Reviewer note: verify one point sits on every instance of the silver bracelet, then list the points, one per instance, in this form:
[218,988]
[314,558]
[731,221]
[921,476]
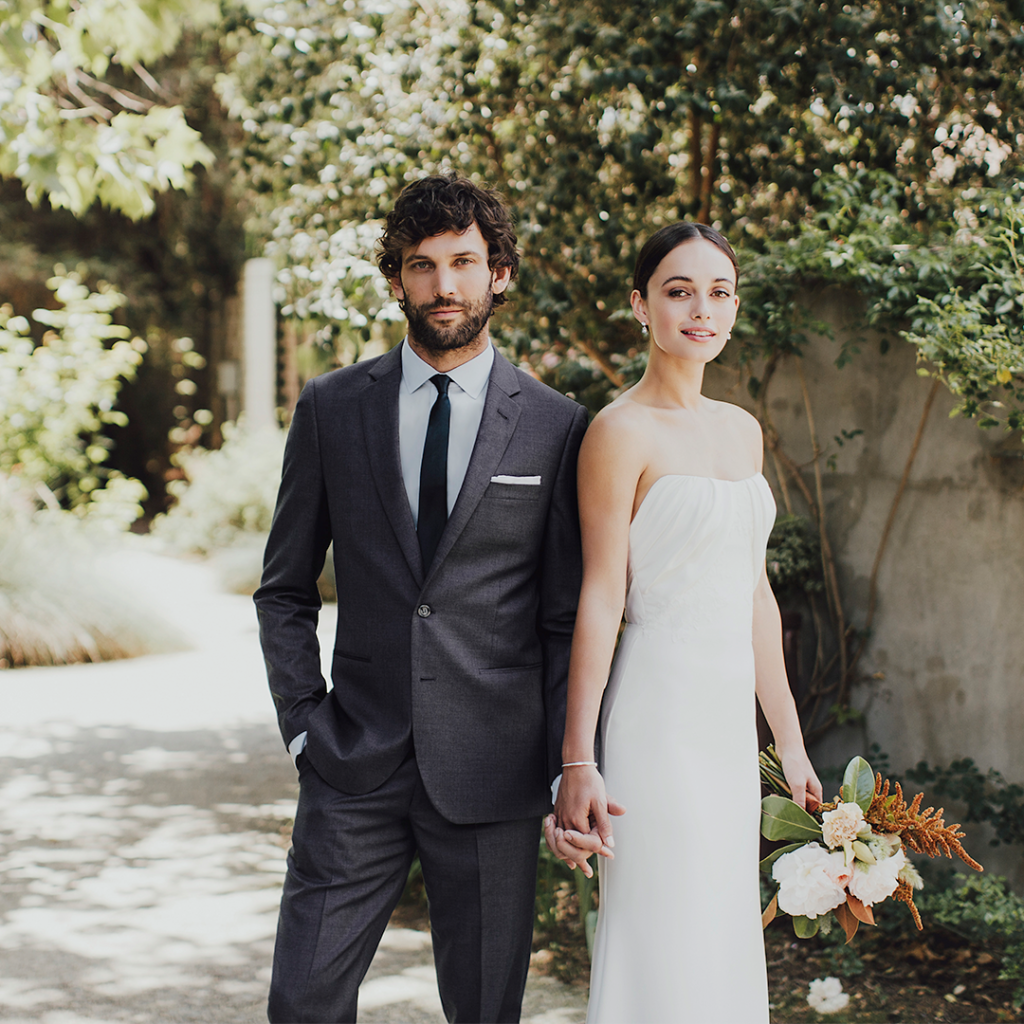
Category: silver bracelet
[577,764]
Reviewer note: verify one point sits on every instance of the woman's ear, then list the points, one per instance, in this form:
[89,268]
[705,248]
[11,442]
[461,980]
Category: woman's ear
[636,300]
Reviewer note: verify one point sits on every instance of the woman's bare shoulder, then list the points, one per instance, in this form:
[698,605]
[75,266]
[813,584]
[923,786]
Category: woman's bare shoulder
[619,436]
[621,422]
[737,416]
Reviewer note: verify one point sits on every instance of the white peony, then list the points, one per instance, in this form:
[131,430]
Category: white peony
[872,883]
[827,995]
[809,881]
[843,825]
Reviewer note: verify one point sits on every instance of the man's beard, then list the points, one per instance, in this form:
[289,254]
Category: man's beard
[442,337]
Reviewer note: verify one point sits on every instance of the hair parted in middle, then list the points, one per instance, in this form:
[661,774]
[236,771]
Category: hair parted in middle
[446,202]
[665,239]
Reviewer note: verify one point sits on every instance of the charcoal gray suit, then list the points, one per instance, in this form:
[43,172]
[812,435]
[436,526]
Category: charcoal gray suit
[443,727]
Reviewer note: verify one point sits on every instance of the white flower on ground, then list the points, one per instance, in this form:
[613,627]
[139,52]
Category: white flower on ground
[827,996]
[809,881]
[842,826]
[872,883]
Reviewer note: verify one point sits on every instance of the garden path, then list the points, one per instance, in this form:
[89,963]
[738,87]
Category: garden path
[142,806]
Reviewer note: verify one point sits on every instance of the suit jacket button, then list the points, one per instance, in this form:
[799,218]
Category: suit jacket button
[423,611]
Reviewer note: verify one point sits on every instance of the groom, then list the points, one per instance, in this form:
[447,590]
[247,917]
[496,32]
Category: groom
[445,478]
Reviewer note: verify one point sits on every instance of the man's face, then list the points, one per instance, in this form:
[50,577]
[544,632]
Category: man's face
[447,290]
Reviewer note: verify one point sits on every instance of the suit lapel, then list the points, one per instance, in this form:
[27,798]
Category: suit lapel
[379,406]
[497,426]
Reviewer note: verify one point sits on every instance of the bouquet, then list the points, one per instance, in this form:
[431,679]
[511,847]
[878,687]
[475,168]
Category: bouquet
[851,853]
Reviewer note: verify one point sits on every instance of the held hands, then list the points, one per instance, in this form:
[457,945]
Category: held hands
[581,825]
[803,782]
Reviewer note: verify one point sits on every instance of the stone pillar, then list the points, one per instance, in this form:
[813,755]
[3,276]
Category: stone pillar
[259,344]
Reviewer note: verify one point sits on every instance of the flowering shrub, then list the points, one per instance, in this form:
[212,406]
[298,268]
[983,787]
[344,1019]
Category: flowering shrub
[56,398]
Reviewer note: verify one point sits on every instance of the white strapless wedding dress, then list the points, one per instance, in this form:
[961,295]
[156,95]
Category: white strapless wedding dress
[679,926]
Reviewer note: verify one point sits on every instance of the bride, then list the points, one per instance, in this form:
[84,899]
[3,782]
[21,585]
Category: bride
[675,516]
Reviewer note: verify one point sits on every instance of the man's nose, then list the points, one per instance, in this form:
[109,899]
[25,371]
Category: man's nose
[444,283]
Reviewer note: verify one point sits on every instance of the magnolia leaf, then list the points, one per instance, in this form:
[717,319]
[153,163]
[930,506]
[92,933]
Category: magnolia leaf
[858,784]
[781,818]
[859,911]
[849,923]
[766,864]
[804,927]
[770,911]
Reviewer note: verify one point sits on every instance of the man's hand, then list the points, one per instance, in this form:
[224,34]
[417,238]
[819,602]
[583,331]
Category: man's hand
[581,825]
[574,848]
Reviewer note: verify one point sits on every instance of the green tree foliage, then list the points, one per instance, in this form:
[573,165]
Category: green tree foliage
[603,121]
[82,120]
[58,396]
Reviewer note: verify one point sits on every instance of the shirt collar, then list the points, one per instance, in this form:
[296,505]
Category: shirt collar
[471,376]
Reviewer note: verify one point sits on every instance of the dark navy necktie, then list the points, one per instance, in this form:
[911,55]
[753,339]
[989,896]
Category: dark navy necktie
[433,513]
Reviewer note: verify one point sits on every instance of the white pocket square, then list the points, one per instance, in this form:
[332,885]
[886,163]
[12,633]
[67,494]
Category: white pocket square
[530,481]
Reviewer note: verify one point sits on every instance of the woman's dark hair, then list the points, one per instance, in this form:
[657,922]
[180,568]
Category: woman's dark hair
[446,202]
[665,239]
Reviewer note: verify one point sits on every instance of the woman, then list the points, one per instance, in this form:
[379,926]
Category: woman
[676,516]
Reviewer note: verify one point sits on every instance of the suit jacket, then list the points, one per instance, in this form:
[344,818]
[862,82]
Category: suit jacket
[465,665]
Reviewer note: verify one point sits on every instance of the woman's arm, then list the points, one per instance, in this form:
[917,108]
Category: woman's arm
[776,698]
[610,465]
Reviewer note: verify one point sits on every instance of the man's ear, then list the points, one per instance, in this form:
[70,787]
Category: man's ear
[396,288]
[500,278]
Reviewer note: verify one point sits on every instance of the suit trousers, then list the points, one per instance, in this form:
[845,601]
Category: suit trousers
[347,868]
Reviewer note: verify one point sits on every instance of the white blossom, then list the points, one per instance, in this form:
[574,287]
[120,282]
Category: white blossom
[872,883]
[826,995]
[809,881]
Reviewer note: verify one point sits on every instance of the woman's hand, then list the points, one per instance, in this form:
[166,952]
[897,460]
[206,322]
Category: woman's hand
[802,780]
[581,825]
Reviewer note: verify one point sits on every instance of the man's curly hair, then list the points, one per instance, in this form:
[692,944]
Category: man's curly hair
[446,202]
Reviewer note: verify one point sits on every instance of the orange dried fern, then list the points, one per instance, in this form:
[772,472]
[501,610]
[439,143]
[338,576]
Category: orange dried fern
[923,831]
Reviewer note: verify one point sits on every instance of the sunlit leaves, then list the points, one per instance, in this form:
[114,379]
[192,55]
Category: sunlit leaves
[71,130]
[56,398]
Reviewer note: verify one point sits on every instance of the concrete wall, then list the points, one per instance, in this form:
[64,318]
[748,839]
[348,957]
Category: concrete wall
[948,639]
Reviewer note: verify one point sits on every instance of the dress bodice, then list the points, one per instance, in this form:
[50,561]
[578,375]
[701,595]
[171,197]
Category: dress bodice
[696,550]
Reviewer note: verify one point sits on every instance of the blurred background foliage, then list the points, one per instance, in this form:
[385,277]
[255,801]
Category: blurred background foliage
[868,146]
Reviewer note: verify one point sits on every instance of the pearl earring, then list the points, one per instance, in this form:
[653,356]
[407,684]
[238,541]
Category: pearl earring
[643,330]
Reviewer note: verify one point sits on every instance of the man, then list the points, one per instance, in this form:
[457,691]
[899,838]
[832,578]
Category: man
[446,480]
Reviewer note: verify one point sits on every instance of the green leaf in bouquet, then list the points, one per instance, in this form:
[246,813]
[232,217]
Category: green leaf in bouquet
[766,864]
[858,784]
[805,928]
[781,818]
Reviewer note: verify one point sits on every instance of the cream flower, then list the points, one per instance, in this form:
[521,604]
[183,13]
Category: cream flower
[808,884]
[872,883]
[842,826]
[909,875]
[827,996]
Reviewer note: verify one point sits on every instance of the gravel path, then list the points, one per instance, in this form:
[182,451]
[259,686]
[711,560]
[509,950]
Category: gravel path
[142,805]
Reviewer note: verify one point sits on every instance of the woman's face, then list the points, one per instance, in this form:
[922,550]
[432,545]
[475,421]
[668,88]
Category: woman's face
[691,301]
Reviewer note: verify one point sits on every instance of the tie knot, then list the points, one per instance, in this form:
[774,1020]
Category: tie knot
[441,382]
